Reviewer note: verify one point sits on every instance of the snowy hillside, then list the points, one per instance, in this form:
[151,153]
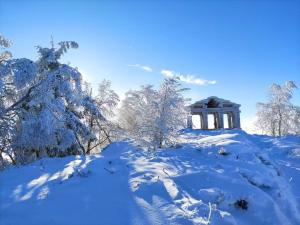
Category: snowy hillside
[212,177]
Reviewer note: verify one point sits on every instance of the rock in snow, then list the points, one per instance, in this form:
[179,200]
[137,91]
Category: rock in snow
[257,182]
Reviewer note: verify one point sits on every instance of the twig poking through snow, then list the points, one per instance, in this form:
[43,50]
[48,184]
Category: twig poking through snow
[166,172]
[110,171]
[209,215]
[42,167]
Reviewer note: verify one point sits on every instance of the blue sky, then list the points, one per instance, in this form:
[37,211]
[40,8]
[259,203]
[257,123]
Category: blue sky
[242,45]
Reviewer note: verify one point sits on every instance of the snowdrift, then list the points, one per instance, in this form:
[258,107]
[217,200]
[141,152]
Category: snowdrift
[211,177]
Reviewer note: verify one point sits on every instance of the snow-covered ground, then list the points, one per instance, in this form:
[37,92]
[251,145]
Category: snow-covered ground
[196,182]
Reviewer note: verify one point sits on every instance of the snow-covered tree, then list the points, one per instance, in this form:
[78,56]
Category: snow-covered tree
[107,99]
[279,116]
[50,119]
[137,114]
[294,120]
[16,79]
[172,113]
[4,43]
[106,130]
[153,117]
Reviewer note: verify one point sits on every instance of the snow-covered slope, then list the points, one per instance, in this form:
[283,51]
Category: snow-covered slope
[196,182]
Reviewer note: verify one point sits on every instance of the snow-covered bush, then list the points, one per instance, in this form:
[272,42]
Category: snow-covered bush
[153,117]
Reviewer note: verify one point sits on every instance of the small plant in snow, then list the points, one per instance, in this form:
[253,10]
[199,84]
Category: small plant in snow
[83,173]
[222,151]
[241,204]
[295,153]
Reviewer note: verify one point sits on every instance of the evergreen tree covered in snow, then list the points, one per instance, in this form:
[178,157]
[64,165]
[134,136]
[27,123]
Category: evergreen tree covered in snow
[50,120]
[153,117]
[16,79]
[279,116]
[46,110]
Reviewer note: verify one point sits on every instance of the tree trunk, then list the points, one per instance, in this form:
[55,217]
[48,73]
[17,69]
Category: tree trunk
[90,142]
[12,159]
[280,124]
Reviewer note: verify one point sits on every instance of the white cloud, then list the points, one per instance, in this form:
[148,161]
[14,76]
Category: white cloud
[190,79]
[187,78]
[167,73]
[145,68]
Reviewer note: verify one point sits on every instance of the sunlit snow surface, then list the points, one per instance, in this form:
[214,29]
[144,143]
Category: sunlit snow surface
[188,184]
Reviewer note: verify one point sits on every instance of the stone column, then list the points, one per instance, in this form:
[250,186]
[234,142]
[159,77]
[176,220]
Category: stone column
[221,121]
[216,122]
[189,121]
[204,121]
[236,120]
[229,117]
[201,121]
